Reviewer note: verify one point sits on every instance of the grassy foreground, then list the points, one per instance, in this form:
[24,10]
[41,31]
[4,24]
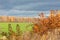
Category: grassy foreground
[23,26]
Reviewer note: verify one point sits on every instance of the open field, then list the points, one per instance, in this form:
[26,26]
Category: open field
[23,26]
[47,28]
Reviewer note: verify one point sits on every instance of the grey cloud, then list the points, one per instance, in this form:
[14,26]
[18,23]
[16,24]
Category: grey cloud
[21,13]
[28,4]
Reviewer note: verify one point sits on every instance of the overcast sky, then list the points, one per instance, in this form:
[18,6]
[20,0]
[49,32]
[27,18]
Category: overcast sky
[27,8]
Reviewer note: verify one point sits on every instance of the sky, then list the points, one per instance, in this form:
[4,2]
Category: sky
[27,8]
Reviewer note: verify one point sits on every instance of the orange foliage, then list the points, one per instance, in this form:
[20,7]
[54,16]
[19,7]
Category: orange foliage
[36,28]
[51,22]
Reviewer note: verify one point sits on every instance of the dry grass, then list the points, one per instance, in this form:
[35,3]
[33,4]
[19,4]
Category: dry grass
[46,29]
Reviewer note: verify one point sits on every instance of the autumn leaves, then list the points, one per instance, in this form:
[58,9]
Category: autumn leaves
[48,23]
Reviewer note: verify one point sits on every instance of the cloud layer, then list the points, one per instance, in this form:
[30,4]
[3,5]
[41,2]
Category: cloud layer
[20,13]
[27,7]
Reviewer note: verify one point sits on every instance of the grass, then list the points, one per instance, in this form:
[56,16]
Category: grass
[4,26]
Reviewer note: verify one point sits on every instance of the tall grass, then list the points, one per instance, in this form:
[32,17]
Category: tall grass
[47,28]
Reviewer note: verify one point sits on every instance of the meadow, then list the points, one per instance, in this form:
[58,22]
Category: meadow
[23,26]
[47,28]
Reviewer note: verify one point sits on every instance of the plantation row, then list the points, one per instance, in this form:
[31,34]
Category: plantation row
[17,19]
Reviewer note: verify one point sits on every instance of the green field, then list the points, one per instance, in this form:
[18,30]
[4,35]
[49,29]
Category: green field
[23,26]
